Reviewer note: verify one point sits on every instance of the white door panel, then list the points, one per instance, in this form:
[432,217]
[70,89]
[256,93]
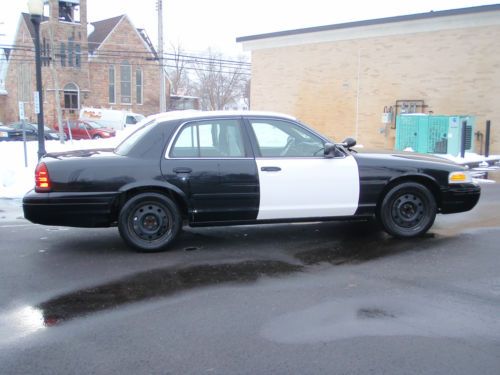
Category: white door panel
[308,187]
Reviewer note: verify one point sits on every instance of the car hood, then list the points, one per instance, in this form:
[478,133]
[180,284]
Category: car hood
[402,156]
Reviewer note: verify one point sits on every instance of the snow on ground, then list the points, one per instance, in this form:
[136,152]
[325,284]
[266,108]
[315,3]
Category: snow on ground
[16,179]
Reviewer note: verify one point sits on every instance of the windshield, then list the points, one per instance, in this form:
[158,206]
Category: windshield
[129,142]
[95,125]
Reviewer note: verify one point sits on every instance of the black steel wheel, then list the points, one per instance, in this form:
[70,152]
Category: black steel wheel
[149,222]
[408,210]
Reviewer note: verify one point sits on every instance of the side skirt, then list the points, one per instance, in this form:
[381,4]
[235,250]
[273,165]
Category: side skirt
[282,221]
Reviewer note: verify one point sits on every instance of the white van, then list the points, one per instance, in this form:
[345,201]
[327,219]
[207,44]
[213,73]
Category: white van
[110,118]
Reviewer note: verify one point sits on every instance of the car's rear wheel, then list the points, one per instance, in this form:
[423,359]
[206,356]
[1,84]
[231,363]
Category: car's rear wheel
[408,210]
[149,222]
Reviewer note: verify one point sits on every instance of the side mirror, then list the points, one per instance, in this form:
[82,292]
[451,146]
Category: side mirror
[349,142]
[329,150]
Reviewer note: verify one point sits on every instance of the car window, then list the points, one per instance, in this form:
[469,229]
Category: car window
[210,139]
[134,138]
[277,138]
[94,125]
[131,120]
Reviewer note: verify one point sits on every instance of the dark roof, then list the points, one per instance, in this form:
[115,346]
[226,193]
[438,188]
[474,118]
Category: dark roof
[378,21]
[101,31]
[103,28]
[29,25]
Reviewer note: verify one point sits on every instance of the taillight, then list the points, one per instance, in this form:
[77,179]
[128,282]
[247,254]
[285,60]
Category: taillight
[42,179]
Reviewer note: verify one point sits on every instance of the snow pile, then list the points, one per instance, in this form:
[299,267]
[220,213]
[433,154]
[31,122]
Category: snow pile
[470,157]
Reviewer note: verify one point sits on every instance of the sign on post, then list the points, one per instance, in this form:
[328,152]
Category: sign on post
[22,116]
[36,101]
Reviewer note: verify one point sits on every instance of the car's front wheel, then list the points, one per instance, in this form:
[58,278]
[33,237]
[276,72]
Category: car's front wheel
[96,136]
[407,210]
[149,222]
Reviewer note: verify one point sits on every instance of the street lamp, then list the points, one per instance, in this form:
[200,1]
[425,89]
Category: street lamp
[35,8]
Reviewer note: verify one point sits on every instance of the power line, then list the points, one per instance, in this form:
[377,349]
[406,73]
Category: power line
[136,53]
[108,62]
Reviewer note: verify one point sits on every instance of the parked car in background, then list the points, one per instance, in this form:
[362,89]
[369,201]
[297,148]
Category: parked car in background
[32,131]
[110,118]
[9,134]
[220,168]
[77,129]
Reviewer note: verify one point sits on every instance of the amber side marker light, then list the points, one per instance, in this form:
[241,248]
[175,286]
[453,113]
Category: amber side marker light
[459,177]
[42,179]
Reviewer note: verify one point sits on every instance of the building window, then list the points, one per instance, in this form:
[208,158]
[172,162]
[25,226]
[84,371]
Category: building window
[138,85]
[71,97]
[63,54]
[71,46]
[125,82]
[69,11]
[78,61]
[24,83]
[111,85]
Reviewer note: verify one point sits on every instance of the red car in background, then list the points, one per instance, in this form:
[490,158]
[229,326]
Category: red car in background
[78,129]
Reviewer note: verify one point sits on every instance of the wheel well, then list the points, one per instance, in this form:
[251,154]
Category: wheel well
[427,182]
[125,196]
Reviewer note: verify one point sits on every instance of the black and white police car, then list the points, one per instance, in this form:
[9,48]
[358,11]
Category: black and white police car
[220,168]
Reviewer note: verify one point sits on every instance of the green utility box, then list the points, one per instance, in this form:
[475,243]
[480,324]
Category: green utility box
[433,134]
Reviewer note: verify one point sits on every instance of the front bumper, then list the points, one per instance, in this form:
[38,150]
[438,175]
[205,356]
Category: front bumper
[89,210]
[459,198]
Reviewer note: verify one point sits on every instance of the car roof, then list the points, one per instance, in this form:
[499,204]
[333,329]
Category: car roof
[193,114]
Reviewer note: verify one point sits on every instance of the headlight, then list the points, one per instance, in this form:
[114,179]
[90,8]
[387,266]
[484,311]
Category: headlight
[461,177]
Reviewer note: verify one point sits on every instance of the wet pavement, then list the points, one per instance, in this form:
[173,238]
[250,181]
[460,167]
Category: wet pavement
[303,298]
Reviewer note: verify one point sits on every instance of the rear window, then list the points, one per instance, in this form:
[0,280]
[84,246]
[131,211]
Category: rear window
[134,138]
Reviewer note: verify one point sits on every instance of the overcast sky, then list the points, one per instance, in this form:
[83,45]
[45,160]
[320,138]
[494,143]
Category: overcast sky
[199,24]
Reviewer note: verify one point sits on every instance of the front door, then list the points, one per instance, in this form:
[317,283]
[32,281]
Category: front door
[296,180]
[211,161]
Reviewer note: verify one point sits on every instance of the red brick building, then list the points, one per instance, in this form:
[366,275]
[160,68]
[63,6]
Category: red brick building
[106,64]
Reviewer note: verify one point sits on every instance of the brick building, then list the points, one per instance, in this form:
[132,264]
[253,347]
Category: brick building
[106,64]
[340,78]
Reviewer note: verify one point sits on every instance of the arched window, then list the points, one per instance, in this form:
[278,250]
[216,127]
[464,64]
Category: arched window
[125,83]
[138,86]
[71,97]
[111,84]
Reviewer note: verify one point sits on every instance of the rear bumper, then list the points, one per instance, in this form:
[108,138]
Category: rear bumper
[70,209]
[459,198]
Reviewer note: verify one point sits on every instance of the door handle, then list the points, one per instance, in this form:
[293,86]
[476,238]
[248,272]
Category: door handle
[182,170]
[270,169]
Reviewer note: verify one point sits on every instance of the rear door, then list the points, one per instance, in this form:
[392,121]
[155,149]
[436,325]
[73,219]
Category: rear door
[212,162]
[296,179]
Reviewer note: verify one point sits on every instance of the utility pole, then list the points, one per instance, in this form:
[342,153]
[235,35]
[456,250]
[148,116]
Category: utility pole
[163,93]
[55,81]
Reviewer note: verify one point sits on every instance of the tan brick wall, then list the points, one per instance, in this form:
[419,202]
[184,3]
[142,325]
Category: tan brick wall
[3,104]
[453,71]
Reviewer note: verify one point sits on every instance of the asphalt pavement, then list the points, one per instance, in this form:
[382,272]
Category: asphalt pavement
[317,298]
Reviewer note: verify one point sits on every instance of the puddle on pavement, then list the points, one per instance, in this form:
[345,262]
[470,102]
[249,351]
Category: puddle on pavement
[352,244]
[157,283]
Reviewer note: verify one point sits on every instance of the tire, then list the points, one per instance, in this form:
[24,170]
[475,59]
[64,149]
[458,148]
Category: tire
[408,210]
[149,222]
[96,136]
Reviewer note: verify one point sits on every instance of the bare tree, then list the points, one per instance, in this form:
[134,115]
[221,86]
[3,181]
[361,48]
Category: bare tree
[219,81]
[178,66]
